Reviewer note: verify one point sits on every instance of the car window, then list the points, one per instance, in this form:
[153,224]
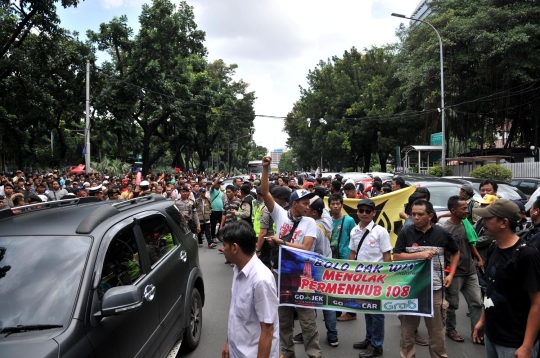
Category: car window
[528,187]
[439,196]
[122,262]
[513,182]
[174,213]
[39,278]
[158,236]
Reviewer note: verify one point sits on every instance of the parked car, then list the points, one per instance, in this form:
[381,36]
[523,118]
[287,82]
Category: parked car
[527,185]
[98,279]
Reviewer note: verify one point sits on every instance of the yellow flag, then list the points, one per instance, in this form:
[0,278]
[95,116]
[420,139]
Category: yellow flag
[388,207]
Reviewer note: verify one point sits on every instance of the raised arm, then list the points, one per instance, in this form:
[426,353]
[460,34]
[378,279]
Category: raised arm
[265,191]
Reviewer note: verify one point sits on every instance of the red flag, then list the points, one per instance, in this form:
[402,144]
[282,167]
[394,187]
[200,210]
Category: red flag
[177,170]
[250,175]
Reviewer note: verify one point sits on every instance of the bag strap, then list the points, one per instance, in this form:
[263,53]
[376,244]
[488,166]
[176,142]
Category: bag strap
[361,242]
[324,231]
[340,230]
[295,225]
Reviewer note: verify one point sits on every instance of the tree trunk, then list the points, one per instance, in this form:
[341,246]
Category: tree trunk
[383,157]
[120,145]
[367,160]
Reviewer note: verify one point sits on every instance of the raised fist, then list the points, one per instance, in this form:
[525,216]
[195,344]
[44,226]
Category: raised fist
[266,161]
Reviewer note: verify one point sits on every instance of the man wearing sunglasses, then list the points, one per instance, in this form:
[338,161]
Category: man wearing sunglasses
[370,243]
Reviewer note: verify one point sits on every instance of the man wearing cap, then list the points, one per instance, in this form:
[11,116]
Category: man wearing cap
[424,241]
[113,193]
[188,209]
[144,189]
[510,323]
[96,192]
[302,231]
[56,193]
[370,243]
[525,223]
[8,192]
[465,278]
[204,210]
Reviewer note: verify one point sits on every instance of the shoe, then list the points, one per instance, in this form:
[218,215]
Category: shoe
[455,336]
[211,246]
[371,352]
[361,345]
[421,341]
[346,317]
[298,339]
[215,240]
[333,342]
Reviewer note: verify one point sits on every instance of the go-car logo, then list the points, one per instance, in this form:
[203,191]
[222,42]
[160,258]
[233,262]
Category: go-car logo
[400,305]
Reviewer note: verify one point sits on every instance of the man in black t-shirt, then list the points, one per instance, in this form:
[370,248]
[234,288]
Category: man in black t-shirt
[511,319]
[424,241]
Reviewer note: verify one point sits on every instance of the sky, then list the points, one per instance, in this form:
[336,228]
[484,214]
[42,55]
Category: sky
[274,42]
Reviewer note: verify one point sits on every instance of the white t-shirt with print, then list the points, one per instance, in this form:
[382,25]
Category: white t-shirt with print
[306,227]
[375,244]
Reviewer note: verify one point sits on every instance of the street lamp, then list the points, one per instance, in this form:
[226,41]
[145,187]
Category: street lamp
[443,156]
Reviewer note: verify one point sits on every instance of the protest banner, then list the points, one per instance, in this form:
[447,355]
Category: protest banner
[387,206]
[308,279]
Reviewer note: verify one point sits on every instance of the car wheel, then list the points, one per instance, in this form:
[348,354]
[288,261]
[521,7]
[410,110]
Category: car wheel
[192,334]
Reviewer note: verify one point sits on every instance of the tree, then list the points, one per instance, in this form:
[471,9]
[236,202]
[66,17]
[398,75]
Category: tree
[287,162]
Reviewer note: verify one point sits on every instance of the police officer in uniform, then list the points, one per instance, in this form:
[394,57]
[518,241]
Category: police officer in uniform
[113,193]
[188,209]
[144,188]
[96,192]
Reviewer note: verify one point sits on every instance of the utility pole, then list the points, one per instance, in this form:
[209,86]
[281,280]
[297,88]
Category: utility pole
[87,125]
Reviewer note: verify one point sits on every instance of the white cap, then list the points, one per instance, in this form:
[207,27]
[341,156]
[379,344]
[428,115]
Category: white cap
[95,189]
[144,183]
[43,197]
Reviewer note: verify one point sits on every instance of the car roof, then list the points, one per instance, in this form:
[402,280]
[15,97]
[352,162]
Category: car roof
[66,217]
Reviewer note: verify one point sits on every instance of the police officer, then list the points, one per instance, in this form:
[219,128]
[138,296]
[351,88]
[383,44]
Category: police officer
[188,209]
[113,193]
[144,188]
[96,192]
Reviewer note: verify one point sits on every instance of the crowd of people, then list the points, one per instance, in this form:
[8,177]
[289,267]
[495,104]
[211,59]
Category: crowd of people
[486,250]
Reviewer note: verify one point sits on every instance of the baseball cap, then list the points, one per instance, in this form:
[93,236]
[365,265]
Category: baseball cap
[467,188]
[257,182]
[300,194]
[519,204]
[366,202]
[488,199]
[502,208]
[202,190]
[316,203]
[281,193]
[308,184]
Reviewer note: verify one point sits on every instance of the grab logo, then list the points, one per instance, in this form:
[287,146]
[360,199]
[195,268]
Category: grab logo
[400,305]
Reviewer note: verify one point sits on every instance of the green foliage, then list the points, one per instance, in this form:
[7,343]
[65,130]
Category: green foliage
[492,171]
[437,171]
[348,170]
[287,162]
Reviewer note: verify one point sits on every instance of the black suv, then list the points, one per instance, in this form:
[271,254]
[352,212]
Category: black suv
[98,279]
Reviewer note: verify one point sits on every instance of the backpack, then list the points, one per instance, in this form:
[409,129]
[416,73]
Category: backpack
[515,255]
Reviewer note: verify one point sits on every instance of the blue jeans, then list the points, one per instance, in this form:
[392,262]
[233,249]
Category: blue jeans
[496,351]
[375,329]
[330,323]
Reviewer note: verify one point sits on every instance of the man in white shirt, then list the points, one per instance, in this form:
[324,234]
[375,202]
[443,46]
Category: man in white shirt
[370,243]
[253,329]
[296,230]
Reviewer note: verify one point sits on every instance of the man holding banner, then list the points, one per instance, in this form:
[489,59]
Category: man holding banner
[370,243]
[293,229]
[423,241]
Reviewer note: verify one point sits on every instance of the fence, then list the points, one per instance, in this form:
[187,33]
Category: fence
[531,169]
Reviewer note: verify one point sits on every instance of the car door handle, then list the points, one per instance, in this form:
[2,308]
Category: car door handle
[149,292]
[183,255]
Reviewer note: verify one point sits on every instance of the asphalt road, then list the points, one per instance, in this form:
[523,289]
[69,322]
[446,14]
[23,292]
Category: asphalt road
[217,279]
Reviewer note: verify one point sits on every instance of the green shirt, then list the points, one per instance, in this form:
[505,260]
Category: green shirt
[216,199]
[345,231]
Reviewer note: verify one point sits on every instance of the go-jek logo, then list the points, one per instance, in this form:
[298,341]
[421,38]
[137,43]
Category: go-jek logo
[400,305]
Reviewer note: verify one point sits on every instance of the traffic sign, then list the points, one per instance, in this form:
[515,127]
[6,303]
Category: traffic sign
[205,164]
[436,139]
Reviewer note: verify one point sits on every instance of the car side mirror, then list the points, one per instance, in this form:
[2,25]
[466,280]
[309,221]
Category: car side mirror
[120,300]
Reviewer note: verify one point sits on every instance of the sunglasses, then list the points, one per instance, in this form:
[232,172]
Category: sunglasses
[367,211]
